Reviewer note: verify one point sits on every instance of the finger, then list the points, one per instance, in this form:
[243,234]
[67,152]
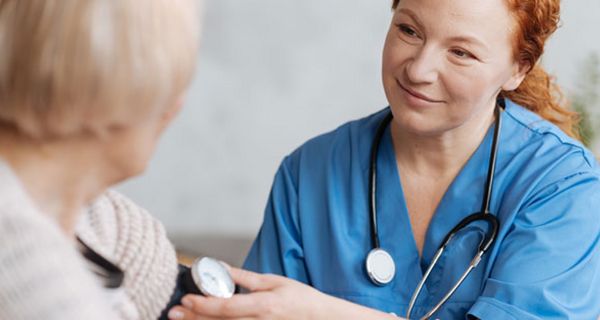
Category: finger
[181,313]
[238,306]
[254,281]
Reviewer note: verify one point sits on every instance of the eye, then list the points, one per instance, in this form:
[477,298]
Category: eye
[405,29]
[462,54]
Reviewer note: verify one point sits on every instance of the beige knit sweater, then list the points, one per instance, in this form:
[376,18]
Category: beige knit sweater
[128,236]
[43,276]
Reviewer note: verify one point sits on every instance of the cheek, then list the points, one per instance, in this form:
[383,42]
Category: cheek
[472,87]
[394,53]
[470,93]
[386,60]
[134,149]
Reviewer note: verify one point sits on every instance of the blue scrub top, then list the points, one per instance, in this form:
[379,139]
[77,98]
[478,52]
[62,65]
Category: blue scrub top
[545,263]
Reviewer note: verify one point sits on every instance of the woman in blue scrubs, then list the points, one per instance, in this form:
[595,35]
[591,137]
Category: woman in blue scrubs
[447,65]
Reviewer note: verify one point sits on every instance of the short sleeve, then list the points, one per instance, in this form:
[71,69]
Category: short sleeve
[548,264]
[278,248]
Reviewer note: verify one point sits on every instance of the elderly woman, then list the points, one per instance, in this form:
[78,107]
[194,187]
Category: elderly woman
[474,137]
[86,89]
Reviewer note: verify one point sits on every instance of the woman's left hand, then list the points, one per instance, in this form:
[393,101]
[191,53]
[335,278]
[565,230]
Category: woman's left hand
[271,297]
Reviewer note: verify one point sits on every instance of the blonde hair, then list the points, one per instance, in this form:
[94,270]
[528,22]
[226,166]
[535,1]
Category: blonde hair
[73,66]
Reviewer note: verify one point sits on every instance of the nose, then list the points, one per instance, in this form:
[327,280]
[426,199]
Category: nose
[422,67]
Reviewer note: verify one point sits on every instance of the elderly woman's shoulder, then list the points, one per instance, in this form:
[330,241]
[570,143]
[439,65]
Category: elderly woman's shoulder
[134,240]
[18,213]
[42,276]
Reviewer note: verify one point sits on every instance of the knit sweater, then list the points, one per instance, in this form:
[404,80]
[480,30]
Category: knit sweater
[43,276]
[137,243]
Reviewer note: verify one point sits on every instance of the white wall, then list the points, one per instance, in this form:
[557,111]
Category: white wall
[574,41]
[273,73]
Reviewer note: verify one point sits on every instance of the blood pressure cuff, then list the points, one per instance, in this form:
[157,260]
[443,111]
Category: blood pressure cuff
[184,285]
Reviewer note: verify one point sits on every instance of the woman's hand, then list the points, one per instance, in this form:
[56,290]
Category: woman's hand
[271,297]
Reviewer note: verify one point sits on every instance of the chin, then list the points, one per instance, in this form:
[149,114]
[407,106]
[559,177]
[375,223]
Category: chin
[133,161]
[136,169]
[139,170]
[420,123]
[128,166]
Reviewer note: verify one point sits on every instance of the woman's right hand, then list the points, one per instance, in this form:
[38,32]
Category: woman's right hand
[271,297]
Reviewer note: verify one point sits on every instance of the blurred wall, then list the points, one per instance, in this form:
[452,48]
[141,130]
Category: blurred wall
[271,74]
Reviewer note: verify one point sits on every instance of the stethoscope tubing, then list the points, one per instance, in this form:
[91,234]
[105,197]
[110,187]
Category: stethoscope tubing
[485,244]
[483,215]
[373,179]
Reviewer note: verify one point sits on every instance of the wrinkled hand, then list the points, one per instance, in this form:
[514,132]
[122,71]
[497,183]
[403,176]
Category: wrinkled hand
[270,297]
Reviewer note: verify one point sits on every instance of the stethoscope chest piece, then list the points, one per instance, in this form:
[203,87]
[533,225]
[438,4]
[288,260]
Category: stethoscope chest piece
[212,278]
[380,266]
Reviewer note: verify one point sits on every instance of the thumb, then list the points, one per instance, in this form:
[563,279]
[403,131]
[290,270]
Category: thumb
[253,281]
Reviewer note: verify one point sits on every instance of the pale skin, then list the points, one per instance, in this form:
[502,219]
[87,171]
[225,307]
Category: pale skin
[444,64]
[64,175]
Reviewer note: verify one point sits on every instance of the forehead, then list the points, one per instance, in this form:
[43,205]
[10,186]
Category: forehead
[486,20]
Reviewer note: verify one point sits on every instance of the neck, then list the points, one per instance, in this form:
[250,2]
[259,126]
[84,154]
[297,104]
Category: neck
[60,176]
[442,155]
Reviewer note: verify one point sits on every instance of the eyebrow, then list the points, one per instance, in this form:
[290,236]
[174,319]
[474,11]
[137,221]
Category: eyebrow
[464,38]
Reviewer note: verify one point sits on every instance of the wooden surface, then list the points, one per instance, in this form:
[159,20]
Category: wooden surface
[232,250]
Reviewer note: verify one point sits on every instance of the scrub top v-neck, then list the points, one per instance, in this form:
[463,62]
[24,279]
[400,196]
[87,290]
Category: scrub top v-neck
[546,196]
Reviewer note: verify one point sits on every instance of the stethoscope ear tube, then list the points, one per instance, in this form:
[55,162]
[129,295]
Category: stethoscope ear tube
[479,216]
[491,234]
[483,247]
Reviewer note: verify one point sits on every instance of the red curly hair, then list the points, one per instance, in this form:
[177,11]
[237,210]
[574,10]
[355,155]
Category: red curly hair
[535,21]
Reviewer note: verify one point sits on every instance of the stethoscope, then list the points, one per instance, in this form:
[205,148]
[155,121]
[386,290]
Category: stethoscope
[379,263]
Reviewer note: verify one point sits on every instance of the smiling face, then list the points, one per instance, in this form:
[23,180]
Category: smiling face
[445,61]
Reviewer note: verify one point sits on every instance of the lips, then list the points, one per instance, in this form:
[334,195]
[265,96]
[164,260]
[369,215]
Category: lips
[417,94]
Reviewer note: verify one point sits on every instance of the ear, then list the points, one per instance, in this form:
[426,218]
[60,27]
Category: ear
[519,73]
